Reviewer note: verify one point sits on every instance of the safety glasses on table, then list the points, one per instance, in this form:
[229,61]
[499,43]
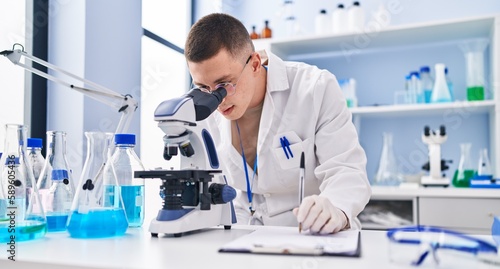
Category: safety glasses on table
[230,87]
[413,244]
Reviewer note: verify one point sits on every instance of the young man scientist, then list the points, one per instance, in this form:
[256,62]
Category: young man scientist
[275,110]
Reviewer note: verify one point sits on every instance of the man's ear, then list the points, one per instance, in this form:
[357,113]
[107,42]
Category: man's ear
[256,62]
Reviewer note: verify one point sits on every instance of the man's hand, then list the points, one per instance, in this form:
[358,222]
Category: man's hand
[317,214]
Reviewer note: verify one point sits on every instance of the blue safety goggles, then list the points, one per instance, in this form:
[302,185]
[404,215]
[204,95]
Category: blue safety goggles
[427,240]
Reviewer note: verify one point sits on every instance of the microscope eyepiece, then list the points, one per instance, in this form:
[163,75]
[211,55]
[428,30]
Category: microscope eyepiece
[442,130]
[427,131]
[220,93]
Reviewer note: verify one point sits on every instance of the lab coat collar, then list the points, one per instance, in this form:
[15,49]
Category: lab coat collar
[277,79]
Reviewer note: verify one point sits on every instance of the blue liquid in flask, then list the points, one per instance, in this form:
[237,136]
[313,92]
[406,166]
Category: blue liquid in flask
[13,222]
[56,222]
[24,230]
[97,223]
[132,197]
[133,202]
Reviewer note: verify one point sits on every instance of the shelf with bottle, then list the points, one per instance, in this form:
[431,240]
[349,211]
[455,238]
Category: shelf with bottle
[395,192]
[391,36]
[476,107]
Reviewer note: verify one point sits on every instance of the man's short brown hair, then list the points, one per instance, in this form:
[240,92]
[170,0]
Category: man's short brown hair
[214,32]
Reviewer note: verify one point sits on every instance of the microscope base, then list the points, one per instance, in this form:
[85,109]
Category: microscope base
[194,220]
[428,181]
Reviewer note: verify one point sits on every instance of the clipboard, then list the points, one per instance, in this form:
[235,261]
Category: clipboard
[288,241]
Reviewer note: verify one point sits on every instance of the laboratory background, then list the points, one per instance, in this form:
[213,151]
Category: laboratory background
[421,79]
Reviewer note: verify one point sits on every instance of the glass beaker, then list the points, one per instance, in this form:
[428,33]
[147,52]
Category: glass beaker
[387,173]
[56,185]
[90,217]
[465,171]
[484,165]
[474,63]
[21,213]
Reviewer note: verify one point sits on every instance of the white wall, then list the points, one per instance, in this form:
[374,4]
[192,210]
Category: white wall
[12,30]
[99,41]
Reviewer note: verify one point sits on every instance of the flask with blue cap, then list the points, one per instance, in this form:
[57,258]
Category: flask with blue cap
[21,215]
[124,162]
[35,146]
[55,183]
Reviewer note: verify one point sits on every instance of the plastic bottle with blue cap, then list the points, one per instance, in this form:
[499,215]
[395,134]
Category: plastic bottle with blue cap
[55,183]
[124,162]
[35,146]
[427,83]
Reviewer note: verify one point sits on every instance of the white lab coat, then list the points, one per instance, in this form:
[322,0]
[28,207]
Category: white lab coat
[306,105]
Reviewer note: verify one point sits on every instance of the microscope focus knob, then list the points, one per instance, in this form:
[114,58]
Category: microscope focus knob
[221,193]
[427,131]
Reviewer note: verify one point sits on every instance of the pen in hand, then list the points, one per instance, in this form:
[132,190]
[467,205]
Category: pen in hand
[301,184]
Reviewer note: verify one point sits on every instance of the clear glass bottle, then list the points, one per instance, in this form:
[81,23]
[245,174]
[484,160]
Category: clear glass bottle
[475,68]
[465,170]
[35,146]
[484,165]
[427,83]
[90,217]
[19,201]
[387,173]
[56,184]
[440,92]
[122,165]
[415,88]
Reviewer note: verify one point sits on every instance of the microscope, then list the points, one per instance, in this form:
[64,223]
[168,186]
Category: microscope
[196,196]
[435,165]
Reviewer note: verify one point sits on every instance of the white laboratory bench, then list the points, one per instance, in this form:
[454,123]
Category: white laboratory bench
[468,210]
[137,249]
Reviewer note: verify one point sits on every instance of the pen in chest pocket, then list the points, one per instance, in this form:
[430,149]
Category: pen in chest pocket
[285,144]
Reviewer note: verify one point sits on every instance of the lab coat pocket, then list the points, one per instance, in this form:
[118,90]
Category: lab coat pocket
[287,149]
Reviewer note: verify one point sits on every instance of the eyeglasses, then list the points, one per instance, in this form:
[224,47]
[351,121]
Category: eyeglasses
[230,87]
[413,244]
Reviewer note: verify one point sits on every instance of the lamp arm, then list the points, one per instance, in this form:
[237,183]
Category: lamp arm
[122,103]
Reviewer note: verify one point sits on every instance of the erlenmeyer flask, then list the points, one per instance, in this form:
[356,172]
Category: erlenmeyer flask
[484,165]
[90,216]
[464,172]
[387,173]
[20,206]
[56,184]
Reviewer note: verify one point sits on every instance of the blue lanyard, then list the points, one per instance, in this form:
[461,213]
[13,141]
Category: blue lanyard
[249,186]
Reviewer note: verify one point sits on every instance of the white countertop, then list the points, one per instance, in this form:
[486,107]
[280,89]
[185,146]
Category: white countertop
[137,249]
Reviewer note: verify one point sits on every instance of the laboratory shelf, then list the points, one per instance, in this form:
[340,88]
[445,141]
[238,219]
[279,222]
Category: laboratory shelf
[440,192]
[477,107]
[312,46]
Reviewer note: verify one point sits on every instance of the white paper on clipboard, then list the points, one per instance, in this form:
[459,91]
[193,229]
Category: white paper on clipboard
[288,240]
